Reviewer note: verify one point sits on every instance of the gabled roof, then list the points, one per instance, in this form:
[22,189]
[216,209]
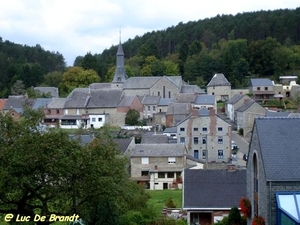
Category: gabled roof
[123,143]
[45,90]
[261,82]
[154,139]
[78,98]
[213,188]
[187,88]
[218,80]
[179,109]
[57,103]
[205,99]
[41,103]
[235,98]
[158,150]
[100,86]
[279,146]
[151,100]
[140,82]
[165,101]
[126,101]
[176,80]
[15,101]
[203,112]
[105,98]
[186,97]
[246,105]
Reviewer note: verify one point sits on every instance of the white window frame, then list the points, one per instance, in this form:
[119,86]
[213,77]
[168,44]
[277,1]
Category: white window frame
[171,160]
[145,160]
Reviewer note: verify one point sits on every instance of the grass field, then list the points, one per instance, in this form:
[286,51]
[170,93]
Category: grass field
[158,198]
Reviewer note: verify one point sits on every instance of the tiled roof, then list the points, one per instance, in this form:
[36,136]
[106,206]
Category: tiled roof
[261,82]
[205,99]
[158,150]
[277,114]
[57,103]
[2,103]
[218,80]
[140,82]
[126,101]
[213,188]
[100,85]
[123,143]
[186,97]
[279,146]
[78,98]
[105,98]
[15,101]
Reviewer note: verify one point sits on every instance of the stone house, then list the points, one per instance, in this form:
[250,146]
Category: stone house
[206,136]
[130,102]
[262,89]
[245,114]
[220,87]
[54,111]
[158,166]
[273,178]
[205,101]
[177,112]
[209,195]
[150,104]
[234,103]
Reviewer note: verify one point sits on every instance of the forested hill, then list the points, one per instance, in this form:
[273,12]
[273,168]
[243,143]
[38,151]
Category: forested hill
[26,63]
[240,45]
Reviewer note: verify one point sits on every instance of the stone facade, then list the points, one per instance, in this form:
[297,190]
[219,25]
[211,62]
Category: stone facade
[222,93]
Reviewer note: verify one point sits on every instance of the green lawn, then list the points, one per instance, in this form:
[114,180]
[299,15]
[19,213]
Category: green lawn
[158,198]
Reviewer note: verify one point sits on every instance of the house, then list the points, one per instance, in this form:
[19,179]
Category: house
[273,178]
[160,116]
[244,116]
[233,103]
[130,102]
[189,88]
[125,145]
[209,195]
[158,166]
[205,101]
[177,112]
[206,136]
[171,132]
[150,104]
[262,89]
[154,139]
[220,87]
[54,111]
[15,105]
[41,103]
[48,91]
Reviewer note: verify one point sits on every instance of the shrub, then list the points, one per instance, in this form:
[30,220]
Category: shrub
[234,216]
[170,203]
[241,131]
[258,220]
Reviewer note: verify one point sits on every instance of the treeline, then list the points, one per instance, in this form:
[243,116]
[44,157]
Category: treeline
[26,63]
[263,43]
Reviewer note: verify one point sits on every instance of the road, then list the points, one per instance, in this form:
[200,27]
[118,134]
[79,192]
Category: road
[243,149]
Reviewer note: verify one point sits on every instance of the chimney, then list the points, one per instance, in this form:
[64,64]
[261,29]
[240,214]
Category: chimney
[211,111]
[246,100]
[231,168]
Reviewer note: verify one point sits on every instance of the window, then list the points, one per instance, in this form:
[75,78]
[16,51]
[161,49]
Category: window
[220,154]
[266,88]
[204,129]
[196,154]
[148,107]
[182,129]
[196,140]
[220,140]
[161,175]
[171,160]
[154,108]
[57,111]
[213,93]
[195,128]
[144,173]
[170,174]
[99,119]
[220,128]
[145,160]
[178,174]
[93,119]
[158,93]
[258,88]
[182,140]
[204,140]
[203,154]
[49,111]
[169,94]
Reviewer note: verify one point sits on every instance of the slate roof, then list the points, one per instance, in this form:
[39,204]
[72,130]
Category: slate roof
[52,90]
[205,99]
[41,103]
[177,80]
[234,99]
[261,82]
[170,130]
[158,150]
[123,143]
[218,80]
[100,86]
[279,143]
[165,101]
[78,98]
[126,101]
[151,100]
[105,98]
[213,188]
[277,114]
[187,88]
[15,101]
[186,97]
[179,108]
[203,112]
[57,103]
[246,105]
[83,139]
[140,82]
[154,139]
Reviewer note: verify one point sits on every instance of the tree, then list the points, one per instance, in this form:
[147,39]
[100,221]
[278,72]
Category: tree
[89,62]
[77,77]
[234,217]
[195,48]
[53,79]
[132,117]
[170,68]
[18,88]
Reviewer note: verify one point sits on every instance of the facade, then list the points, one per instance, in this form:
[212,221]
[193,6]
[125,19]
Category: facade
[209,195]
[220,87]
[158,166]
[262,89]
[150,104]
[245,115]
[206,136]
[54,111]
[273,180]
[205,101]
[234,103]
[177,112]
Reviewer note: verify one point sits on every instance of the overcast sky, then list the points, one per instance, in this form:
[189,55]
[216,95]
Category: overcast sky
[74,27]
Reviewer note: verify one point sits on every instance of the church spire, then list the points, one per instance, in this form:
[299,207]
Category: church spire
[120,72]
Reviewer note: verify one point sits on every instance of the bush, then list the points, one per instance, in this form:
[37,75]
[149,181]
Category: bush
[241,131]
[170,203]
[234,216]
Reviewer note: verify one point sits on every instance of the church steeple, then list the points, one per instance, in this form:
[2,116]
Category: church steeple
[120,72]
